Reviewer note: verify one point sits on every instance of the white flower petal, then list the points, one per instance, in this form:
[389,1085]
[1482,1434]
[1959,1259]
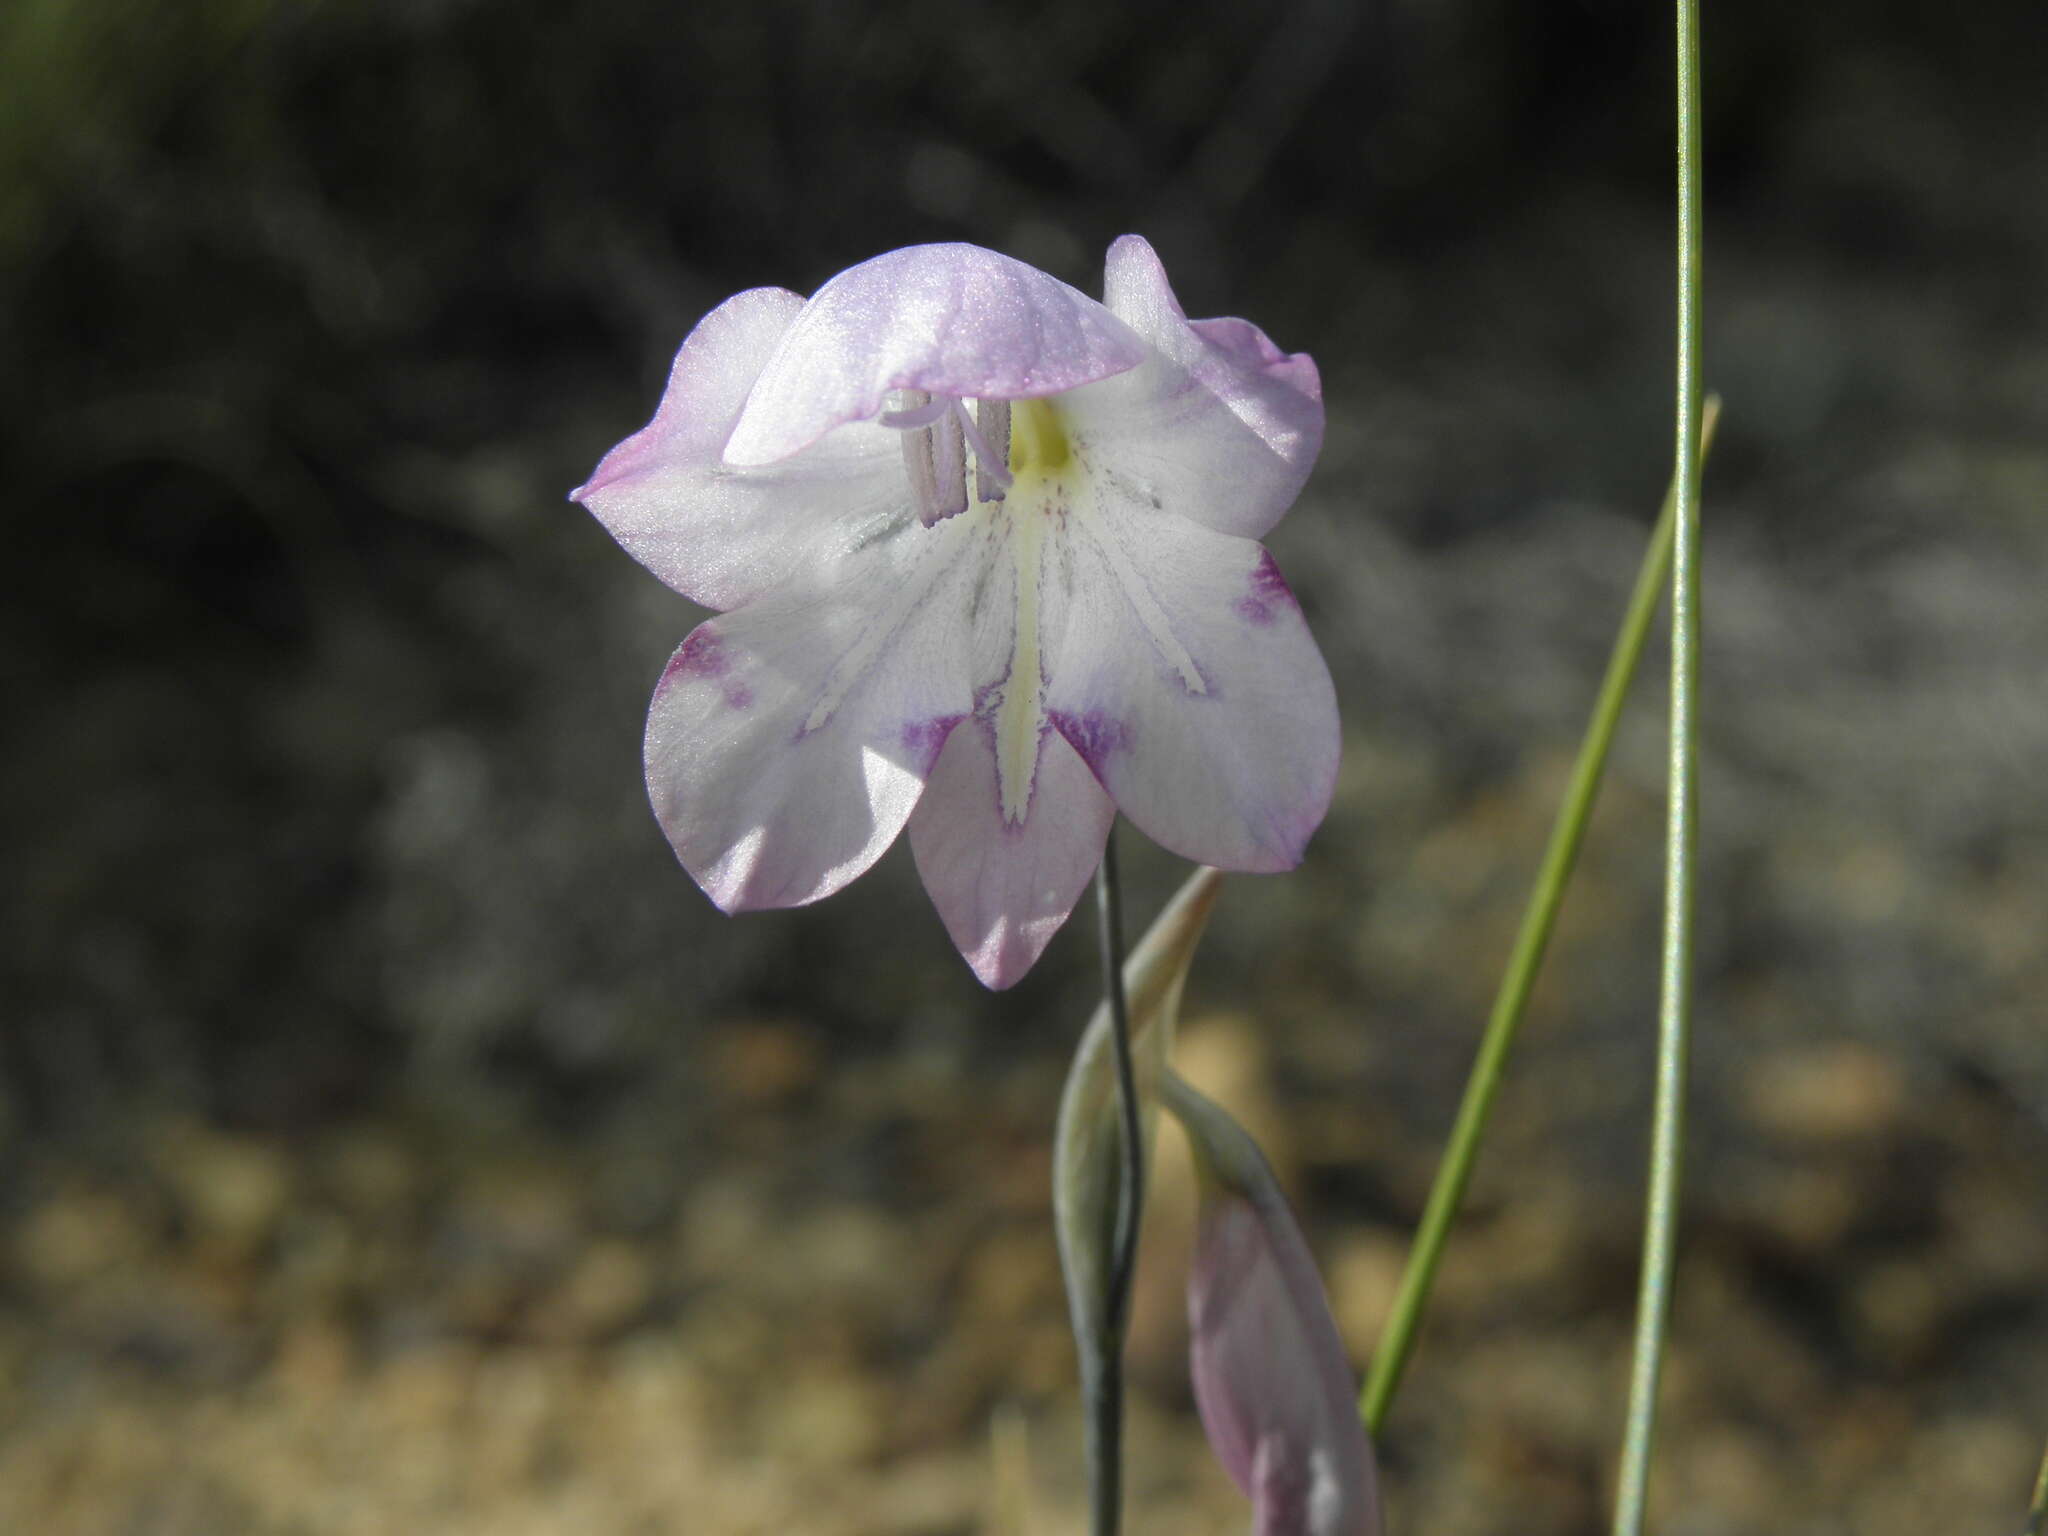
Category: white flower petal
[718,535]
[1187,679]
[1218,425]
[1004,888]
[789,741]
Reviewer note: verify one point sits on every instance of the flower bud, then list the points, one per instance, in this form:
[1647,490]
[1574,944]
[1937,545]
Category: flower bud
[1271,1379]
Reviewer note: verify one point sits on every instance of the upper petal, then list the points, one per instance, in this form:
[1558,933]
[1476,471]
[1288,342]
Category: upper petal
[1219,425]
[1189,682]
[789,741]
[717,535]
[948,319]
[1004,888]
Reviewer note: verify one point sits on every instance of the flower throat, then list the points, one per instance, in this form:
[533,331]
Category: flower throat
[1007,439]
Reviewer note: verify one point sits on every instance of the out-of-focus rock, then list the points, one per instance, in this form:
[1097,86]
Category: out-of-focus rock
[605,1290]
[1829,1091]
[231,1189]
[826,1418]
[1010,1275]
[1731,1470]
[371,1170]
[76,1234]
[315,1361]
[764,1063]
[1901,1307]
[1363,1277]
[1806,1210]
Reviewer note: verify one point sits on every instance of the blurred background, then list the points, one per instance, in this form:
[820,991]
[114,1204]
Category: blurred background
[393,1139]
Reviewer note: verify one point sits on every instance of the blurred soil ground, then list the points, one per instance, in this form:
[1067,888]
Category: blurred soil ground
[396,1141]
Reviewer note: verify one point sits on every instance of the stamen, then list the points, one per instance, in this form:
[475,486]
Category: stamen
[949,462]
[934,453]
[918,464]
[988,433]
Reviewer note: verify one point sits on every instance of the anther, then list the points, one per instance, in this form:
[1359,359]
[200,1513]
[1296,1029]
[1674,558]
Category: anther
[989,435]
[934,455]
[949,465]
[936,436]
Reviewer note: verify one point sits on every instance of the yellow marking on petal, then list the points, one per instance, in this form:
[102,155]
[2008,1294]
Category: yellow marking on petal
[1020,713]
[1040,455]
[1038,439]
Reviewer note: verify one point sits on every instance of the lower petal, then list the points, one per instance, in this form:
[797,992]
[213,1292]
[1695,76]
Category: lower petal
[1187,679]
[1004,888]
[789,740]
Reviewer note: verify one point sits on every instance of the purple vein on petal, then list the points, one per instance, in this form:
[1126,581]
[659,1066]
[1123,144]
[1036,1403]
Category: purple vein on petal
[861,657]
[1137,593]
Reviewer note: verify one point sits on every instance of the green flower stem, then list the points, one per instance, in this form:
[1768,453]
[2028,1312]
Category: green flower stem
[1106,1406]
[1397,1338]
[2037,1512]
[1674,1012]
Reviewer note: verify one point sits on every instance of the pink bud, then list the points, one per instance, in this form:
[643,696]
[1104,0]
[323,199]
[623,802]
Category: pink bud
[1271,1378]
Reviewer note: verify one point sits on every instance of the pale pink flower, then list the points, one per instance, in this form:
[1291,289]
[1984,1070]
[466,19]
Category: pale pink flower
[984,551]
[1272,1382]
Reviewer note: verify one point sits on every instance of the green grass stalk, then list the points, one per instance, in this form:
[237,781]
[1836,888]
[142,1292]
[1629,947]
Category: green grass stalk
[1539,916]
[1674,1012]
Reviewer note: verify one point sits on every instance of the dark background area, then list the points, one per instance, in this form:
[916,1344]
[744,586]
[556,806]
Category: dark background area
[394,1139]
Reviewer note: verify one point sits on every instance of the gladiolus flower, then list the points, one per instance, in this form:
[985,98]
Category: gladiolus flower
[1271,1380]
[985,557]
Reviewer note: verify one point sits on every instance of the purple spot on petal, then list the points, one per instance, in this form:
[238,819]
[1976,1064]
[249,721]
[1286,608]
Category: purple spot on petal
[702,655]
[924,739]
[1094,735]
[1268,594]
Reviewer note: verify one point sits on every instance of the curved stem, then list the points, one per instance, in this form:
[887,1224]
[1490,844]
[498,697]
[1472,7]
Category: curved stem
[1397,1338]
[2037,1512]
[1674,1013]
[1109,901]
[1105,1407]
